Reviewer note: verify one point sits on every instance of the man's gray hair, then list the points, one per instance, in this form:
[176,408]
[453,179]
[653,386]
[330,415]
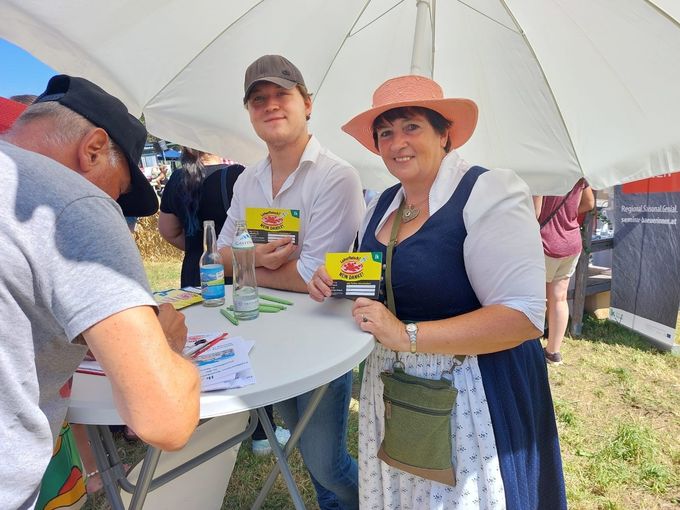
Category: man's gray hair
[68,126]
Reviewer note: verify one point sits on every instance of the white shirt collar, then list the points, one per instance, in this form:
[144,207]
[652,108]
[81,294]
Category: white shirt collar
[451,170]
[308,158]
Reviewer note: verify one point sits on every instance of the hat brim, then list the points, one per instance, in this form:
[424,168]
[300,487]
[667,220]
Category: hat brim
[141,200]
[281,82]
[462,113]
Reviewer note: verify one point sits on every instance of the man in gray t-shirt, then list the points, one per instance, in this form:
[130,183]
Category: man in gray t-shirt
[70,272]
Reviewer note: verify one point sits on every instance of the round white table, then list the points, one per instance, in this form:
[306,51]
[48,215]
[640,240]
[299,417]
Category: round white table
[296,350]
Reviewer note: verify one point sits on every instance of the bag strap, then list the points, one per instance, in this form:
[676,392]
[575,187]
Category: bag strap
[228,178]
[388,271]
[388,259]
[226,199]
[564,199]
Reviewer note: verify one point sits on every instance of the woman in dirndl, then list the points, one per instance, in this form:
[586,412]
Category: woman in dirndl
[467,270]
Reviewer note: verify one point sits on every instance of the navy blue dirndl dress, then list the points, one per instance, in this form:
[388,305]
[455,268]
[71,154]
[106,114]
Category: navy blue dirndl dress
[430,282]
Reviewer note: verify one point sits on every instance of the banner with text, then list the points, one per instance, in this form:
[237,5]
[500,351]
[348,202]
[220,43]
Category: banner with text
[645,292]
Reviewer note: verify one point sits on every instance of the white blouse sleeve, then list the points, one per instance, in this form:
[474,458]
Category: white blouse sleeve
[503,251]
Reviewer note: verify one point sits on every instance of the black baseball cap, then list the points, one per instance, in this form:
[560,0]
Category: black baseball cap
[109,113]
[273,68]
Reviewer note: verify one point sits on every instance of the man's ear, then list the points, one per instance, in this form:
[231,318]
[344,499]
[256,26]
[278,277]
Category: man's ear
[92,149]
[308,108]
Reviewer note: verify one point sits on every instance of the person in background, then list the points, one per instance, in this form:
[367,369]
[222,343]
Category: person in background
[299,173]
[65,161]
[201,190]
[561,238]
[467,279]
[131,223]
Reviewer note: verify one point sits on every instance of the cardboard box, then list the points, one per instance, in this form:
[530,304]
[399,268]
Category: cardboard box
[598,304]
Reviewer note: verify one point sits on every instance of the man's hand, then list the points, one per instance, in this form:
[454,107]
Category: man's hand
[173,326]
[274,254]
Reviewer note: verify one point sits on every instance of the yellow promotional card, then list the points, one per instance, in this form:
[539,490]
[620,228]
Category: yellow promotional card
[355,274]
[179,298]
[267,225]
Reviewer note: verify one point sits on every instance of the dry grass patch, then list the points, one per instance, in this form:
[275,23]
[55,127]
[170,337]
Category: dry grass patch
[150,243]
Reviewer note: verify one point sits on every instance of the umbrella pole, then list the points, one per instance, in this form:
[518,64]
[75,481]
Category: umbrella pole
[423,41]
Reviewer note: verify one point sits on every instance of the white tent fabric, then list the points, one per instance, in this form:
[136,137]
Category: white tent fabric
[565,88]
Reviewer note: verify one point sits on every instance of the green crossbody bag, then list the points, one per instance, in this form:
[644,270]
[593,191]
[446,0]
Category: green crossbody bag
[417,436]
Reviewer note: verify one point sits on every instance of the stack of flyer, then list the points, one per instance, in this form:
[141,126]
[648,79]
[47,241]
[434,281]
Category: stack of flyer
[223,361]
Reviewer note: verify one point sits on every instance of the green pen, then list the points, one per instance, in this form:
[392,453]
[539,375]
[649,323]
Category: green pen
[276,299]
[273,305]
[231,317]
[269,309]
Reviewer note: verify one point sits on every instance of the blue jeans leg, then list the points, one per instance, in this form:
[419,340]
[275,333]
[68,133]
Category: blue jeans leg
[323,444]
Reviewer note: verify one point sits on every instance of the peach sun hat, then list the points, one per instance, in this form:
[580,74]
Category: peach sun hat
[420,91]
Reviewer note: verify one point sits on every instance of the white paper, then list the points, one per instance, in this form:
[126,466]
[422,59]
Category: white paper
[225,365]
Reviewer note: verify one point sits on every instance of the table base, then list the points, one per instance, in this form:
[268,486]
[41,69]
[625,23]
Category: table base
[114,478]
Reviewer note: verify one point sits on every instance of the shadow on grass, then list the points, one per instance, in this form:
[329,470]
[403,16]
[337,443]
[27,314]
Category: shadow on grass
[607,332]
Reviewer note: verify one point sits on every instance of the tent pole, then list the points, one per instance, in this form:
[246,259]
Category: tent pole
[423,40]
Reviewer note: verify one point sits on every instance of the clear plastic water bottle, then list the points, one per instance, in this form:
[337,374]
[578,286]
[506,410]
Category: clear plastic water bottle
[212,269]
[246,300]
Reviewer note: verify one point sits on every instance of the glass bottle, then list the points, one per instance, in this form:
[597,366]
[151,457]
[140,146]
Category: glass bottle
[246,300]
[211,267]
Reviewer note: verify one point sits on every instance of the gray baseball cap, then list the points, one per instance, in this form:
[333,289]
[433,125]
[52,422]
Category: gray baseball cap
[273,68]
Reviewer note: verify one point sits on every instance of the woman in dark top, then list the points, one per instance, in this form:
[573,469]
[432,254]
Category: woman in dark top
[466,281]
[200,190]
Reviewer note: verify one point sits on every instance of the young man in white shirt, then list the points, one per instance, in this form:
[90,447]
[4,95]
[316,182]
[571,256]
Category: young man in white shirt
[300,174]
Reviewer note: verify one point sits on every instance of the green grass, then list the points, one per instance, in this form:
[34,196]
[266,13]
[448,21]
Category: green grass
[163,275]
[617,404]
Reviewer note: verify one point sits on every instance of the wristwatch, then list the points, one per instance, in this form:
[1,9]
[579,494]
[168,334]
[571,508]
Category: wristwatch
[412,332]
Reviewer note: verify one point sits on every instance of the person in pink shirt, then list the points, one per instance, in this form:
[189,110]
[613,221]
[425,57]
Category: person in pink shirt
[561,236]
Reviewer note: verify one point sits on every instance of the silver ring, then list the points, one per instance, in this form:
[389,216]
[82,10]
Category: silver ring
[364,318]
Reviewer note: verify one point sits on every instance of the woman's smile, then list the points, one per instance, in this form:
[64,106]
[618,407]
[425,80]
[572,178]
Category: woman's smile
[411,148]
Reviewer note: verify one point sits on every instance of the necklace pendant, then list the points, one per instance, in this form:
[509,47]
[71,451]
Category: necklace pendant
[410,213]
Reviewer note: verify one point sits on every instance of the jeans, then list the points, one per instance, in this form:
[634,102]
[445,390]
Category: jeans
[323,444]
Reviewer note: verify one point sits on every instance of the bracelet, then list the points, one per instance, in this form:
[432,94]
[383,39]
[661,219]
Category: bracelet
[90,475]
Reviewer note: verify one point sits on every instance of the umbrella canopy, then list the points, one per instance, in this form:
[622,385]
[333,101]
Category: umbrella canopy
[565,88]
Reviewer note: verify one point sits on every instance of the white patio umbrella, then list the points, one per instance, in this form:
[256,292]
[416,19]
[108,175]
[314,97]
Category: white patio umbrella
[565,88]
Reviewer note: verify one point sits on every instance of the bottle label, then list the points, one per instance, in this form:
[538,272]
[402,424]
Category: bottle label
[243,240]
[212,281]
[246,304]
